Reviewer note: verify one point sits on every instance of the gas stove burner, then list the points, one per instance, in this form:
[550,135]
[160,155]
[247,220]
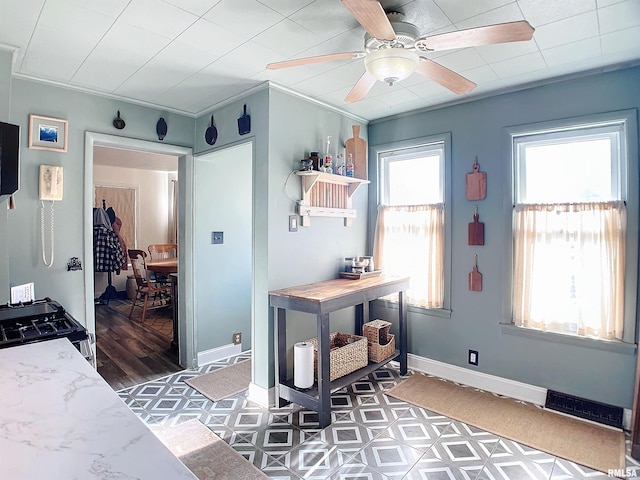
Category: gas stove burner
[39,320]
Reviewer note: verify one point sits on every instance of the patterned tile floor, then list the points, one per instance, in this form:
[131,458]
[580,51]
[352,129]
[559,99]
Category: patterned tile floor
[372,436]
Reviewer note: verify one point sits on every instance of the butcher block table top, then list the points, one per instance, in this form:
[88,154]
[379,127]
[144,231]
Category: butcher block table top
[330,295]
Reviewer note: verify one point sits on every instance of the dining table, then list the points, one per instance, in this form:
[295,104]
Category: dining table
[163,266]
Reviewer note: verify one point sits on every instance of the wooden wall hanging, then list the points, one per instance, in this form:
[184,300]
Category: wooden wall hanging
[476,188]
[475,277]
[476,230]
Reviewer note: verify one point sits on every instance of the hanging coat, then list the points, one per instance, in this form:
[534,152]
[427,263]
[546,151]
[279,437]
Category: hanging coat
[107,253]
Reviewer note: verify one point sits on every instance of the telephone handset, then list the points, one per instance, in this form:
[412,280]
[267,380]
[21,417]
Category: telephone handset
[50,189]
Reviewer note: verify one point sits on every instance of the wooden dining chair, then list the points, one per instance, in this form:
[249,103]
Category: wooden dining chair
[147,290]
[159,251]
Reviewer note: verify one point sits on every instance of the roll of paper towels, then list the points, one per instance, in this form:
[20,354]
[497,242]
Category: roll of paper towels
[303,365]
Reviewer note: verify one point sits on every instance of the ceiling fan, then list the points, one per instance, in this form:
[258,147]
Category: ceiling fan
[392,46]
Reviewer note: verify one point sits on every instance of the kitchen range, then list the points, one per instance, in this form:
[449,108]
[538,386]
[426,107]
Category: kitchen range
[41,320]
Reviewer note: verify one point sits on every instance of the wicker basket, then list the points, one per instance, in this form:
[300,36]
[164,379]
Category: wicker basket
[377,331]
[378,353]
[342,359]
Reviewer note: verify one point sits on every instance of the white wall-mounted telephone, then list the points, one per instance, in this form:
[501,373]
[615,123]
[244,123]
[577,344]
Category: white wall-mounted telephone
[50,189]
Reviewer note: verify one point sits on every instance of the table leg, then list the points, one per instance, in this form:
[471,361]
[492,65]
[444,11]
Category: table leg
[362,316]
[280,329]
[324,372]
[402,314]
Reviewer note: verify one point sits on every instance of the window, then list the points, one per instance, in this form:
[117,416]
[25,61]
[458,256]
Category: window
[570,229]
[410,235]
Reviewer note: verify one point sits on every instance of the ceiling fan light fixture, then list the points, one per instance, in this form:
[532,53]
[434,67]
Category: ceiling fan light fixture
[391,65]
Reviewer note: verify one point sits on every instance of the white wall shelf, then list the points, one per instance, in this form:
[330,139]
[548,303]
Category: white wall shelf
[327,195]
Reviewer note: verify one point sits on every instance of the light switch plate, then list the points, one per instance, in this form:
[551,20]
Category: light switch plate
[293,223]
[217,238]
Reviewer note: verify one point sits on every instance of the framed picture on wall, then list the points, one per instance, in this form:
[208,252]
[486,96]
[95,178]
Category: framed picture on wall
[46,133]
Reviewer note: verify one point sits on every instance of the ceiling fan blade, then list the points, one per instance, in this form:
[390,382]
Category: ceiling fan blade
[320,58]
[473,37]
[361,88]
[445,77]
[371,16]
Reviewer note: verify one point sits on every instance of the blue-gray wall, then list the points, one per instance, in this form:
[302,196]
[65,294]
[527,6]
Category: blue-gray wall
[477,129]
[312,253]
[84,112]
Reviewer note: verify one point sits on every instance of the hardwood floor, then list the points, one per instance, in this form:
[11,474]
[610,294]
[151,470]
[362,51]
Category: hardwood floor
[129,353]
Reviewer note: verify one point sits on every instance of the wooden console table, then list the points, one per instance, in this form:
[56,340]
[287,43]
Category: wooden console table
[322,298]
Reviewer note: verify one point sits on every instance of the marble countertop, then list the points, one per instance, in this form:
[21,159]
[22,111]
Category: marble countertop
[60,420]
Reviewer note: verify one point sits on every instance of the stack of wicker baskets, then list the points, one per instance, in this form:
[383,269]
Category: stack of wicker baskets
[381,343]
[347,353]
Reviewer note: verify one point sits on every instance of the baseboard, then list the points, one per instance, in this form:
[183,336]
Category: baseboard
[265,397]
[484,381]
[489,383]
[219,353]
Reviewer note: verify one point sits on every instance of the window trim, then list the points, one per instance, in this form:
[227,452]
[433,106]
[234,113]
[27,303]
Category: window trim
[376,153]
[610,130]
[629,185]
[398,155]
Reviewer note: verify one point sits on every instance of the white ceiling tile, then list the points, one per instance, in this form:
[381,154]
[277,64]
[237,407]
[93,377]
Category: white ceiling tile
[246,61]
[324,22]
[158,16]
[213,38]
[286,7]
[504,14]
[519,65]
[57,53]
[285,76]
[619,16]
[246,18]
[219,95]
[341,77]
[541,12]
[278,38]
[504,51]
[461,59]
[480,75]
[605,3]
[197,7]
[426,88]
[17,21]
[425,15]
[109,8]
[526,78]
[567,31]
[104,70]
[171,66]
[458,10]
[572,52]
[350,41]
[621,41]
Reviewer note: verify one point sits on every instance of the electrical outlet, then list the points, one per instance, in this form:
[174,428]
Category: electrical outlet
[237,338]
[473,357]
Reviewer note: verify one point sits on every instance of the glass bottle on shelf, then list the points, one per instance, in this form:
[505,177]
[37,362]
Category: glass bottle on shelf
[349,168]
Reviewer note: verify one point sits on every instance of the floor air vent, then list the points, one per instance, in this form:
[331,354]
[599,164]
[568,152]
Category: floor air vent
[583,408]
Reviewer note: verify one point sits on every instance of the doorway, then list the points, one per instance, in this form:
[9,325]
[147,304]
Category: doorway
[185,178]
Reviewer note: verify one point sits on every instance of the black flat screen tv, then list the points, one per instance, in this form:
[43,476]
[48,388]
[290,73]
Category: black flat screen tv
[9,160]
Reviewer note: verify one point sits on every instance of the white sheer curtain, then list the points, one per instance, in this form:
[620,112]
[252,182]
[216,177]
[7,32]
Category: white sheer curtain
[569,268]
[409,241]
